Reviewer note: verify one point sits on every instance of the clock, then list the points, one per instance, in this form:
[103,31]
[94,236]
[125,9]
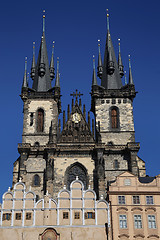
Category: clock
[76,117]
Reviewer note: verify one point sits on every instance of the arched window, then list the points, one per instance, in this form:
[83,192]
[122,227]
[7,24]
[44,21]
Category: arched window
[36,180]
[75,170]
[40,120]
[114,117]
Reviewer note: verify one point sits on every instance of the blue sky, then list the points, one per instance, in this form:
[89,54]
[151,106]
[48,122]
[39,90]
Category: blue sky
[75,26]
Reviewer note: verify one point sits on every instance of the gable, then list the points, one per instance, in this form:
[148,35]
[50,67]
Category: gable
[76,129]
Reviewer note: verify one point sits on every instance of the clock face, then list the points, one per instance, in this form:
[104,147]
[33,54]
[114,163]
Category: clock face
[76,117]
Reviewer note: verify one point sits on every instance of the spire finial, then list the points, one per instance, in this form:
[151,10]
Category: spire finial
[125,78]
[99,68]
[53,47]
[33,68]
[57,83]
[107,19]
[120,64]
[44,16]
[130,71]
[25,84]
[94,79]
[51,67]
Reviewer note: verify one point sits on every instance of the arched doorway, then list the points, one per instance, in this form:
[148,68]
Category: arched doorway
[49,234]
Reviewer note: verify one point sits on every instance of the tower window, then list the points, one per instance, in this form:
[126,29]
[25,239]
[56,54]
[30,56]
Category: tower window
[40,120]
[116,164]
[31,119]
[114,118]
[36,180]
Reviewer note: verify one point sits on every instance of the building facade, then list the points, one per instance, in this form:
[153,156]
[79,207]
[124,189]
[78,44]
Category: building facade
[135,207]
[64,170]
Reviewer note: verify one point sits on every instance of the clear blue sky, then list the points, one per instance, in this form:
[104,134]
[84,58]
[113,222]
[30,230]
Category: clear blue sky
[76,26]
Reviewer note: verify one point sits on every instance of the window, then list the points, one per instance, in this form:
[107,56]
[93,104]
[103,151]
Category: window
[116,164]
[37,198]
[114,118]
[18,216]
[31,119]
[89,215]
[28,216]
[137,221]
[121,200]
[136,200]
[151,221]
[7,216]
[122,221]
[149,200]
[77,215]
[40,120]
[36,180]
[65,215]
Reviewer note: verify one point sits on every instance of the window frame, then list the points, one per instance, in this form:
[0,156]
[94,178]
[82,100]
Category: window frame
[136,200]
[152,222]
[121,199]
[28,215]
[114,118]
[65,215]
[123,221]
[6,216]
[138,221]
[149,200]
[77,215]
[18,216]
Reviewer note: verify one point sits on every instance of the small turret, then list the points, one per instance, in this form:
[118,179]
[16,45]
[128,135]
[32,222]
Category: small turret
[125,78]
[130,72]
[94,79]
[57,83]
[33,68]
[42,69]
[100,67]
[25,82]
[110,66]
[51,68]
[120,65]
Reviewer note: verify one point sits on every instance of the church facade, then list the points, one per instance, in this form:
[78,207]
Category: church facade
[63,178]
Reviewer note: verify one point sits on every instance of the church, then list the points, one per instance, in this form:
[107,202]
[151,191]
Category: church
[71,171]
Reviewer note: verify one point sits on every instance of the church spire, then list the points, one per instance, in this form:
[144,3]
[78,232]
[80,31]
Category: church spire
[120,64]
[42,81]
[51,68]
[94,79]
[25,82]
[57,83]
[111,77]
[130,72]
[99,68]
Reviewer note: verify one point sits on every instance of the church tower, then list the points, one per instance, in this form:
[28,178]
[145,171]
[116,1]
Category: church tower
[112,105]
[94,151]
[40,110]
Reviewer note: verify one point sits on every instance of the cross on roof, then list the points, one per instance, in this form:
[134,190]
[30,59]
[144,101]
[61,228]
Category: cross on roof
[76,94]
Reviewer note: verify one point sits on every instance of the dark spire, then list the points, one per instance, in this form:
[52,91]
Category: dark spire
[51,68]
[42,81]
[110,77]
[120,64]
[94,79]
[99,68]
[130,72]
[57,83]
[33,68]
[25,82]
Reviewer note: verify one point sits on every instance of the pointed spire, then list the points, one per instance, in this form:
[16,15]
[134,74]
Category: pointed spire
[57,83]
[107,19]
[33,68]
[120,64]
[44,20]
[110,76]
[42,81]
[25,83]
[130,72]
[99,68]
[51,68]
[94,79]
[42,69]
